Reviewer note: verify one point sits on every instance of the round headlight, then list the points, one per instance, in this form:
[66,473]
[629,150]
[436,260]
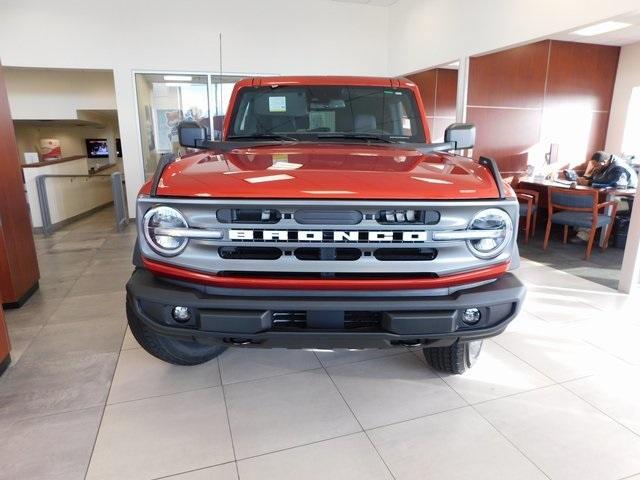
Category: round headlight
[164,217]
[499,229]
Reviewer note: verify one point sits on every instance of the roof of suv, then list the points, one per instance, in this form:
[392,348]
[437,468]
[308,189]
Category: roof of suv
[326,80]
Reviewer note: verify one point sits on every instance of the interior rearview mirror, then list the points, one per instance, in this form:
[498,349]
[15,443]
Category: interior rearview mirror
[462,134]
[191,134]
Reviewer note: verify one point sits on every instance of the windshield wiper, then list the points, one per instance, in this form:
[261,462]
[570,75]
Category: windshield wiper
[262,136]
[356,136]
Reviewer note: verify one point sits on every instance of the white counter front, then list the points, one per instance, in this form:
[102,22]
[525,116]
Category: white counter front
[68,197]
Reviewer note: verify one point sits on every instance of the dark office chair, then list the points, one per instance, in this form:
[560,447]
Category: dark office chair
[580,209]
[529,209]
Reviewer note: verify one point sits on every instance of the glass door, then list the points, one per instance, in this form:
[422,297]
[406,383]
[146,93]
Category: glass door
[164,100]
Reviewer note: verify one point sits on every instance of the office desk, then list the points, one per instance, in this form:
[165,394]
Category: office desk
[604,194]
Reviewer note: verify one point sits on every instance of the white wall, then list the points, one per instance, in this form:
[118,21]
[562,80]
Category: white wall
[627,78]
[36,94]
[259,36]
[425,33]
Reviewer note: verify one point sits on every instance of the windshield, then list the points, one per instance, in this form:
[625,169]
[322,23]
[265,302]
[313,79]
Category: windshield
[326,113]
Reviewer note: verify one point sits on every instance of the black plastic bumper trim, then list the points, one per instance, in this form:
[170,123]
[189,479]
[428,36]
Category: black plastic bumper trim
[144,287]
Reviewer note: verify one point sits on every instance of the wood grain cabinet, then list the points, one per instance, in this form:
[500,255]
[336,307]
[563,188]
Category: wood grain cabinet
[19,273]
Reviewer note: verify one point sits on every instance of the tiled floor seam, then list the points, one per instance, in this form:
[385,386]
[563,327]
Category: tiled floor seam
[503,435]
[527,363]
[315,442]
[226,411]
[104,408]
[562,385]
[46,322]
[472,406]
[225,384]
[63,412]
[356,418]
[608,353]
[173,475]
[172,394]
[14,363]
[278,375]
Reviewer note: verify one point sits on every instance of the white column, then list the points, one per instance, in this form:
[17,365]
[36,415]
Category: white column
[463,88]
[630,273]
[129,134]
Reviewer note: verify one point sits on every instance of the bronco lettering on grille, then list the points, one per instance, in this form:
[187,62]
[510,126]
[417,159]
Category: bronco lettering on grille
[342,236]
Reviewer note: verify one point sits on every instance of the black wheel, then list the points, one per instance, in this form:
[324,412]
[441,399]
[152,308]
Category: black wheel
[456,358]
[171,350]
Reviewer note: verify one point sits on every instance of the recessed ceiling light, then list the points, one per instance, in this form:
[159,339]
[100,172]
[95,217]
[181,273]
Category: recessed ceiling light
[178,78]
[600,28]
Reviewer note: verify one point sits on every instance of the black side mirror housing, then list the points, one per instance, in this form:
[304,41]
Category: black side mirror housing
[191,134]
[463,135]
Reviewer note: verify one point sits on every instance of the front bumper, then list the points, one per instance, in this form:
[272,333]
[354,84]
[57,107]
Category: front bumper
[306,320]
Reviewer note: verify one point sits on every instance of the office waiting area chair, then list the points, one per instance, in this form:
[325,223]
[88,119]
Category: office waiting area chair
[579,209]
[528,200]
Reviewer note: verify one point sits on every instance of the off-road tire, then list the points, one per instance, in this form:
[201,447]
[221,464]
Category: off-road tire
[456,358]
[168,349]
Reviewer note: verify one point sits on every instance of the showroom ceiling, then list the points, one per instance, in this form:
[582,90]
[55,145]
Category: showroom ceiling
[378,3]
[624,36]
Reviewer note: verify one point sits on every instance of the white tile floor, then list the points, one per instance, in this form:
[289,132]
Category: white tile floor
[556,396]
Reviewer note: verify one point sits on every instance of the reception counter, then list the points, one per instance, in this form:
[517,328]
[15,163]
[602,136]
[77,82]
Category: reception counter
[69,197]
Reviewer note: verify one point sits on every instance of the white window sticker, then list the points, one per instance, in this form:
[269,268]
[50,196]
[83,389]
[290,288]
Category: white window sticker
[278,104]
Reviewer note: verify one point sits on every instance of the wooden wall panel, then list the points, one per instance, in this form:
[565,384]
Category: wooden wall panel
[510,78]
[438,88]
[598,134]
[446,92]
[426,82]
[504,134]
[18,262]
[525,98]
[582,73]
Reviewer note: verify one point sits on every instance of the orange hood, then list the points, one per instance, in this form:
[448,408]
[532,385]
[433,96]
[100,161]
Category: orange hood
[362,172]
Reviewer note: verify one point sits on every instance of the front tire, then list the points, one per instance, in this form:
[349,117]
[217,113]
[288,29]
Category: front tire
[456,358]
[169,349]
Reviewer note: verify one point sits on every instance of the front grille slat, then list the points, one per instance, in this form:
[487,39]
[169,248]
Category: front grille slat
[395,258]
[290,232]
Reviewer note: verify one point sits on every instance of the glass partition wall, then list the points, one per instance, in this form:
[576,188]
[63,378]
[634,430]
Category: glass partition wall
[164,100]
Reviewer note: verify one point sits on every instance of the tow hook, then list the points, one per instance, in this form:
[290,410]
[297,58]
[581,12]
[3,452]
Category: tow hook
[238,341]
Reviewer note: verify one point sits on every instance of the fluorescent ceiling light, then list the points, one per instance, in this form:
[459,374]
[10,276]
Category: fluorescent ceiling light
[600,28]
[178,78]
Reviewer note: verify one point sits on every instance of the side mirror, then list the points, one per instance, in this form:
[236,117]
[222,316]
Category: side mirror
[463,135]
[191,134]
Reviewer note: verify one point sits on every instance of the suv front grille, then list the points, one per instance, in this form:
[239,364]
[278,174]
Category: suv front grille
[326,238]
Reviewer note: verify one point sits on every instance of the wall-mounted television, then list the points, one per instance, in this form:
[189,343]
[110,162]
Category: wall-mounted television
[97,148]
[118,148]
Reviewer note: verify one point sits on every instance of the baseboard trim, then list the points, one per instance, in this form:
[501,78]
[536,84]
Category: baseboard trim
[23,299]
[4,364]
